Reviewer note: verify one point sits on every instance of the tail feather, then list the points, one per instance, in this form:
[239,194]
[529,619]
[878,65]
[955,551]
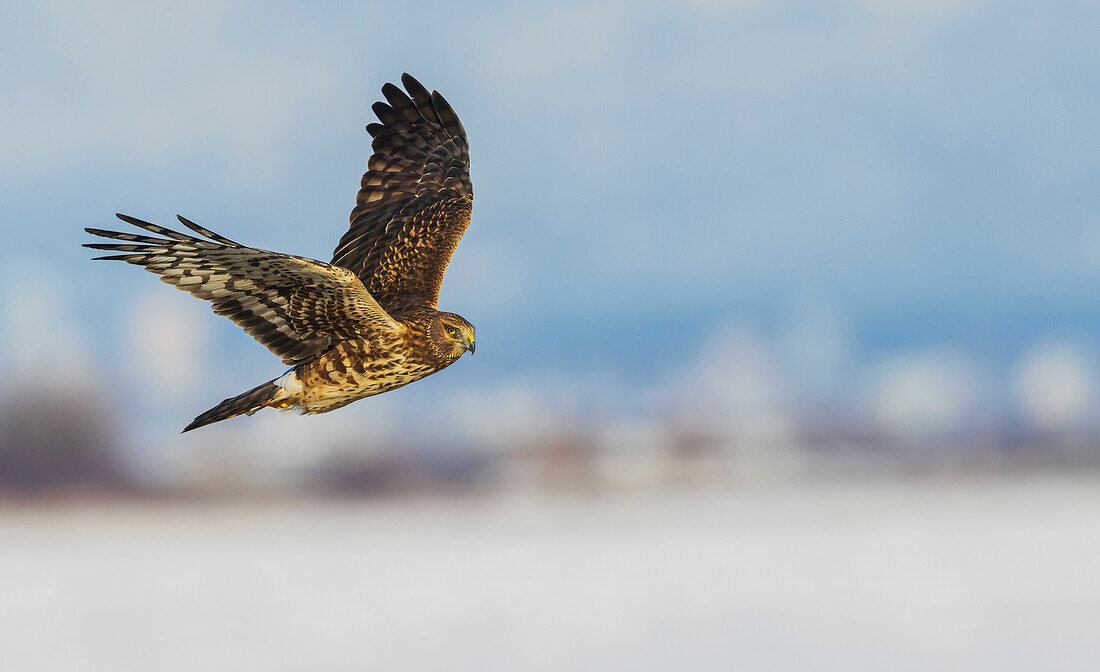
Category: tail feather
[242,404]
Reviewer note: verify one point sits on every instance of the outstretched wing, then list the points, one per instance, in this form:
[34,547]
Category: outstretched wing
[296,307]
[415,200]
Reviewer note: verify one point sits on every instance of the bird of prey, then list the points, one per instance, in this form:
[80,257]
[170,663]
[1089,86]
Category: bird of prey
[366,322]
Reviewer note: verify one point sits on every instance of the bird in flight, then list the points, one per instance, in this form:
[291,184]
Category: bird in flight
[366,322]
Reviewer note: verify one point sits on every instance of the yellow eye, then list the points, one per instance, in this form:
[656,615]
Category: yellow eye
[452,331]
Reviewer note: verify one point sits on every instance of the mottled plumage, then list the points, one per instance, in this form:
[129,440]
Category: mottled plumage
[367,322]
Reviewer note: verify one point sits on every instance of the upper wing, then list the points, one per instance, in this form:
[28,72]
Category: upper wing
[296,307]
[415,200]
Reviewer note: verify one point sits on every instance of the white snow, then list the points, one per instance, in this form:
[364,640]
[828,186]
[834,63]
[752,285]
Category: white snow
[966,575]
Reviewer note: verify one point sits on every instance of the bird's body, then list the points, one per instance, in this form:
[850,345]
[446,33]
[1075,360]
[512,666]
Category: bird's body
[359,368]
[367,322]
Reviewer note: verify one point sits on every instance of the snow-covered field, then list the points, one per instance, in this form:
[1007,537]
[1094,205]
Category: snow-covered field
[982,575]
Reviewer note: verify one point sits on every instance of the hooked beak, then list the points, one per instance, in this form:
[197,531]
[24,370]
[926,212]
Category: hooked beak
[470,345]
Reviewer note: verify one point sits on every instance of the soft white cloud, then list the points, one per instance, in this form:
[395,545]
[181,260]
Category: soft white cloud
[634,451]
[925,392]
[283,446]
[512,411]
[733,387]
[168,337]
[1054,385]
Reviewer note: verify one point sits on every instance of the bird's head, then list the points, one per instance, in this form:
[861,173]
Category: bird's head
[452,335]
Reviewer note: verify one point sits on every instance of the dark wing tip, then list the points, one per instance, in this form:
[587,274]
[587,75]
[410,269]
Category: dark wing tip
[203,231]
[115,246]
[412,85]
[131,220]
[128,258]
[389,90]
[402,104]
[447,116]
[389,116]
[420,96]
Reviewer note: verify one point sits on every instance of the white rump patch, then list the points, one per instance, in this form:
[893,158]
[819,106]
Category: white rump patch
[289,383]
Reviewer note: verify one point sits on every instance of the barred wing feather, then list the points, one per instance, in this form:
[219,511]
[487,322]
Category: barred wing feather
[297,308]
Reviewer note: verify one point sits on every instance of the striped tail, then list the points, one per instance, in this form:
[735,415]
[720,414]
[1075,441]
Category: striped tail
[246,404]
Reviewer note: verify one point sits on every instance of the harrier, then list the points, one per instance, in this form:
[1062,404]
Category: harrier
[366,322]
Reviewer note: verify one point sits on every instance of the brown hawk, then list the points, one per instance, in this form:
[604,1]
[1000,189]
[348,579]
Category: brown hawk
[366,322]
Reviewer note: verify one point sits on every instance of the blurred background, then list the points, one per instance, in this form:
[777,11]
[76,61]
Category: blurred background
[786,315]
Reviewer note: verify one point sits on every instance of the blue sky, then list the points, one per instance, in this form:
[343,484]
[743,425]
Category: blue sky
[882,180]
